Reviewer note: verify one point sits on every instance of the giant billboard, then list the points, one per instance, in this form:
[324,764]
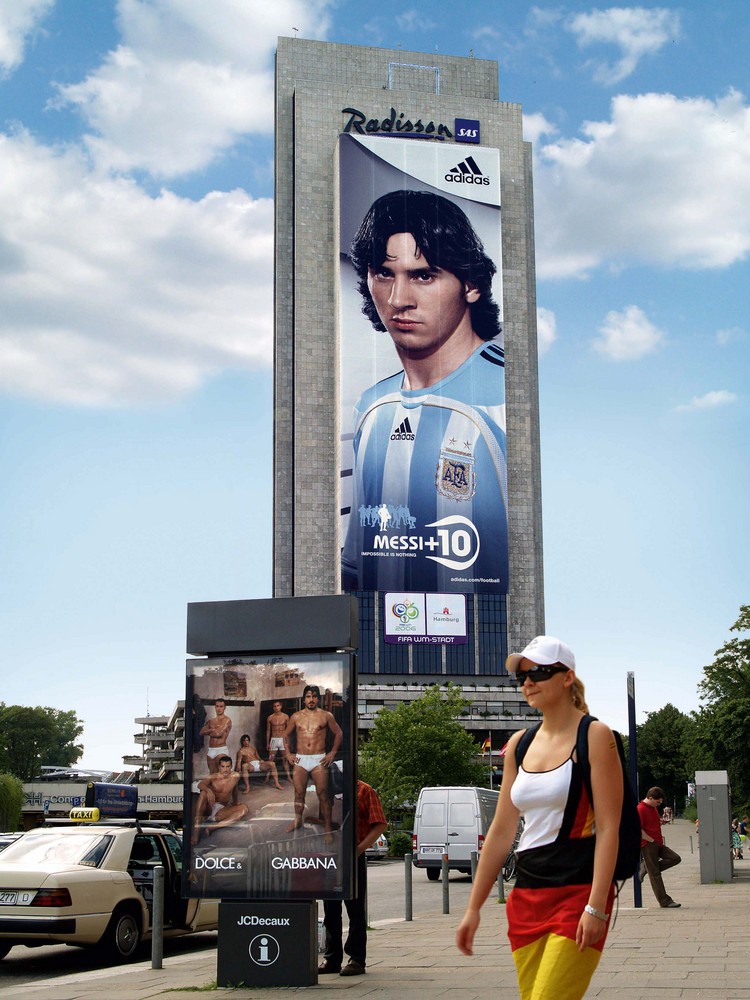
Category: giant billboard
[269,768]
[423,456]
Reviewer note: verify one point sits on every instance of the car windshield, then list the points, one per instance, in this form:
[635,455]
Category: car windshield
[44,848]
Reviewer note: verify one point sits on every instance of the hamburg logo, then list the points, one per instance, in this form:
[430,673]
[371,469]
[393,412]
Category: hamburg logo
[455,477]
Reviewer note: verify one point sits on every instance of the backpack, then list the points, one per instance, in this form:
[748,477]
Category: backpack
[629,842]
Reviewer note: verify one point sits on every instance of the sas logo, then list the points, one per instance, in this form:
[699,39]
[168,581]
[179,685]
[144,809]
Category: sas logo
[467,130]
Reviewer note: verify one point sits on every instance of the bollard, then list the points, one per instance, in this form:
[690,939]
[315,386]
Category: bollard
[474,863]
[407,887]
[446,890]
[500,887]
[691,843]
[157,920]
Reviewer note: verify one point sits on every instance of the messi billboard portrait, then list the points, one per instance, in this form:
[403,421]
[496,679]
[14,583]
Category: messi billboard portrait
[423,459]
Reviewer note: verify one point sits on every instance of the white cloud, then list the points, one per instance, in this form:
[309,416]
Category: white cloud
[546,329]
[635,31]
[414,20]
[709,401]
[535,126]
[729,335]
[18,19]
[665,181]
[628,335]
[112,297]
[189,78]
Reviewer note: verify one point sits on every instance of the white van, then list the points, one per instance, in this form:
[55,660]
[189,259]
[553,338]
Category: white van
[456,816]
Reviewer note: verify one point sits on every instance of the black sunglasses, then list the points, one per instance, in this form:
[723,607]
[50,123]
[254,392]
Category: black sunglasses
[538,674]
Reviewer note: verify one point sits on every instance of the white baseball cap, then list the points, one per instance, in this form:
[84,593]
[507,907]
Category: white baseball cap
[543,650]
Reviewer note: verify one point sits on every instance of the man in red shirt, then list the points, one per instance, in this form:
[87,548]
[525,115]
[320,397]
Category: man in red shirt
[370,824]
[657,857]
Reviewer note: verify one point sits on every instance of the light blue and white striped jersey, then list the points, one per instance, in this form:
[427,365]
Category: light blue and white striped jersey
[429,489]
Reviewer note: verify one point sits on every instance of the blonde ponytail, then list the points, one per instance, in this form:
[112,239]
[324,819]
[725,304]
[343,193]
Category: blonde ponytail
[577,693]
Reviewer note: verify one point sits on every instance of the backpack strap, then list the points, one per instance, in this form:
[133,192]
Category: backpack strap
[582,752]
[525,742]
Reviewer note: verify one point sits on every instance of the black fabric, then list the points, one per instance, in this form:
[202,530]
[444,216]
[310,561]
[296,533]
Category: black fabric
[553,865]
[629,840]
[356,941]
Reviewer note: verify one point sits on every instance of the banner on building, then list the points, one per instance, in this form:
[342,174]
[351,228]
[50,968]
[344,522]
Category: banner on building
[423,456]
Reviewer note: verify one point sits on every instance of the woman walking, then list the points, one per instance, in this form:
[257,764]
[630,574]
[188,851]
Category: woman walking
[559,910]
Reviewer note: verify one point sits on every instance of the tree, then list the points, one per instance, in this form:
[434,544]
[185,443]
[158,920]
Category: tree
[663,757]
[721,725]
[11,802]
[420,743]
[30,737]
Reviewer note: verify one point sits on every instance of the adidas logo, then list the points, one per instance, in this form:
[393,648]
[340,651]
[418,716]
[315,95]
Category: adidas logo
[403,432]
[466,172]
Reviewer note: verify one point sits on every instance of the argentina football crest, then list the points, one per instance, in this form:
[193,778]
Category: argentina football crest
[456,476]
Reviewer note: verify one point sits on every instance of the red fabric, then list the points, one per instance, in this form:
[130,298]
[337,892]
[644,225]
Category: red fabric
[650,822]
[369,810]
[532,913]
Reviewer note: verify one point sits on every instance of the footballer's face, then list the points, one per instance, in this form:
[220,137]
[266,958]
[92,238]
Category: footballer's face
[421,306]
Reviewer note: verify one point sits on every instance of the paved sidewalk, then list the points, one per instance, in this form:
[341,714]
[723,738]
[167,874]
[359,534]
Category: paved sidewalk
[701,950]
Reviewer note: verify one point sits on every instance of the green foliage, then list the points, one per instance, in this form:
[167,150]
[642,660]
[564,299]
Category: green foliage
[721,725]
[11,802]
[30,737]
[399,844]
[663,754]
[419,743]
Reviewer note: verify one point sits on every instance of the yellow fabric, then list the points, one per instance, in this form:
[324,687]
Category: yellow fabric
[552,968]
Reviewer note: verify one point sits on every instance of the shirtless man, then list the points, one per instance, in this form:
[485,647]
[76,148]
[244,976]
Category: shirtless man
[310,724]
[248,759]
[217,730]
[275,729]
[217,800]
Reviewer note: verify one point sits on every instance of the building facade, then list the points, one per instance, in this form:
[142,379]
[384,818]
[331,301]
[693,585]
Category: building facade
[324,91]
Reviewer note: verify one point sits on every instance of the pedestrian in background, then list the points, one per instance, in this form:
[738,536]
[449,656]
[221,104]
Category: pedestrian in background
[657,857]
[370,824]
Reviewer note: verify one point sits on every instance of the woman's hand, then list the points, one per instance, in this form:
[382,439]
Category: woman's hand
[466,931]
[590,930]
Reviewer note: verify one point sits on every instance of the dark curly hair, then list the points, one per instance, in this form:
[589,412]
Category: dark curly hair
[445,238]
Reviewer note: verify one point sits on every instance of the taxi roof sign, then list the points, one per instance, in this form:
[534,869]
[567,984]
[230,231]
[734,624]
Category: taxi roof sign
[83,815]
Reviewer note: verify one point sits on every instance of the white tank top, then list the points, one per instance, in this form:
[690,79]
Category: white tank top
[541,797]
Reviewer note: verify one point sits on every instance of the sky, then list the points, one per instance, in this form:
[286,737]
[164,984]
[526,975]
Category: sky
[136,274]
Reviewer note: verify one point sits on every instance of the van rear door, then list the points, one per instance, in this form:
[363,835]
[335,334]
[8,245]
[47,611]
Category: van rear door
[431,828]
[463,825]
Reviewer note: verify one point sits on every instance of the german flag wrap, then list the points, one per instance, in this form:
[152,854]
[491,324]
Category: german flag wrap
[552,887]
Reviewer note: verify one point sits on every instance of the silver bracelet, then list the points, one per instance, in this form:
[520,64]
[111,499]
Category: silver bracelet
[595,913]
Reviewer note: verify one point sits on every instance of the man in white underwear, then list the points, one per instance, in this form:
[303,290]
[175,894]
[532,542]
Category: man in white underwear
[311,725]
[248,759]
[217,803]
[275,728]
[217,730]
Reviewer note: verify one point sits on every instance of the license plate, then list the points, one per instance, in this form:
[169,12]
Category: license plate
[8,898]
[431,850]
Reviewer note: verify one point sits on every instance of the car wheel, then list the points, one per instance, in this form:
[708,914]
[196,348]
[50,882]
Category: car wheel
[433,874]
[122,936]
[5,947]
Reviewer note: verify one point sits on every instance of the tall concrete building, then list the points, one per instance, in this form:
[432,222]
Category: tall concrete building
[410,102]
